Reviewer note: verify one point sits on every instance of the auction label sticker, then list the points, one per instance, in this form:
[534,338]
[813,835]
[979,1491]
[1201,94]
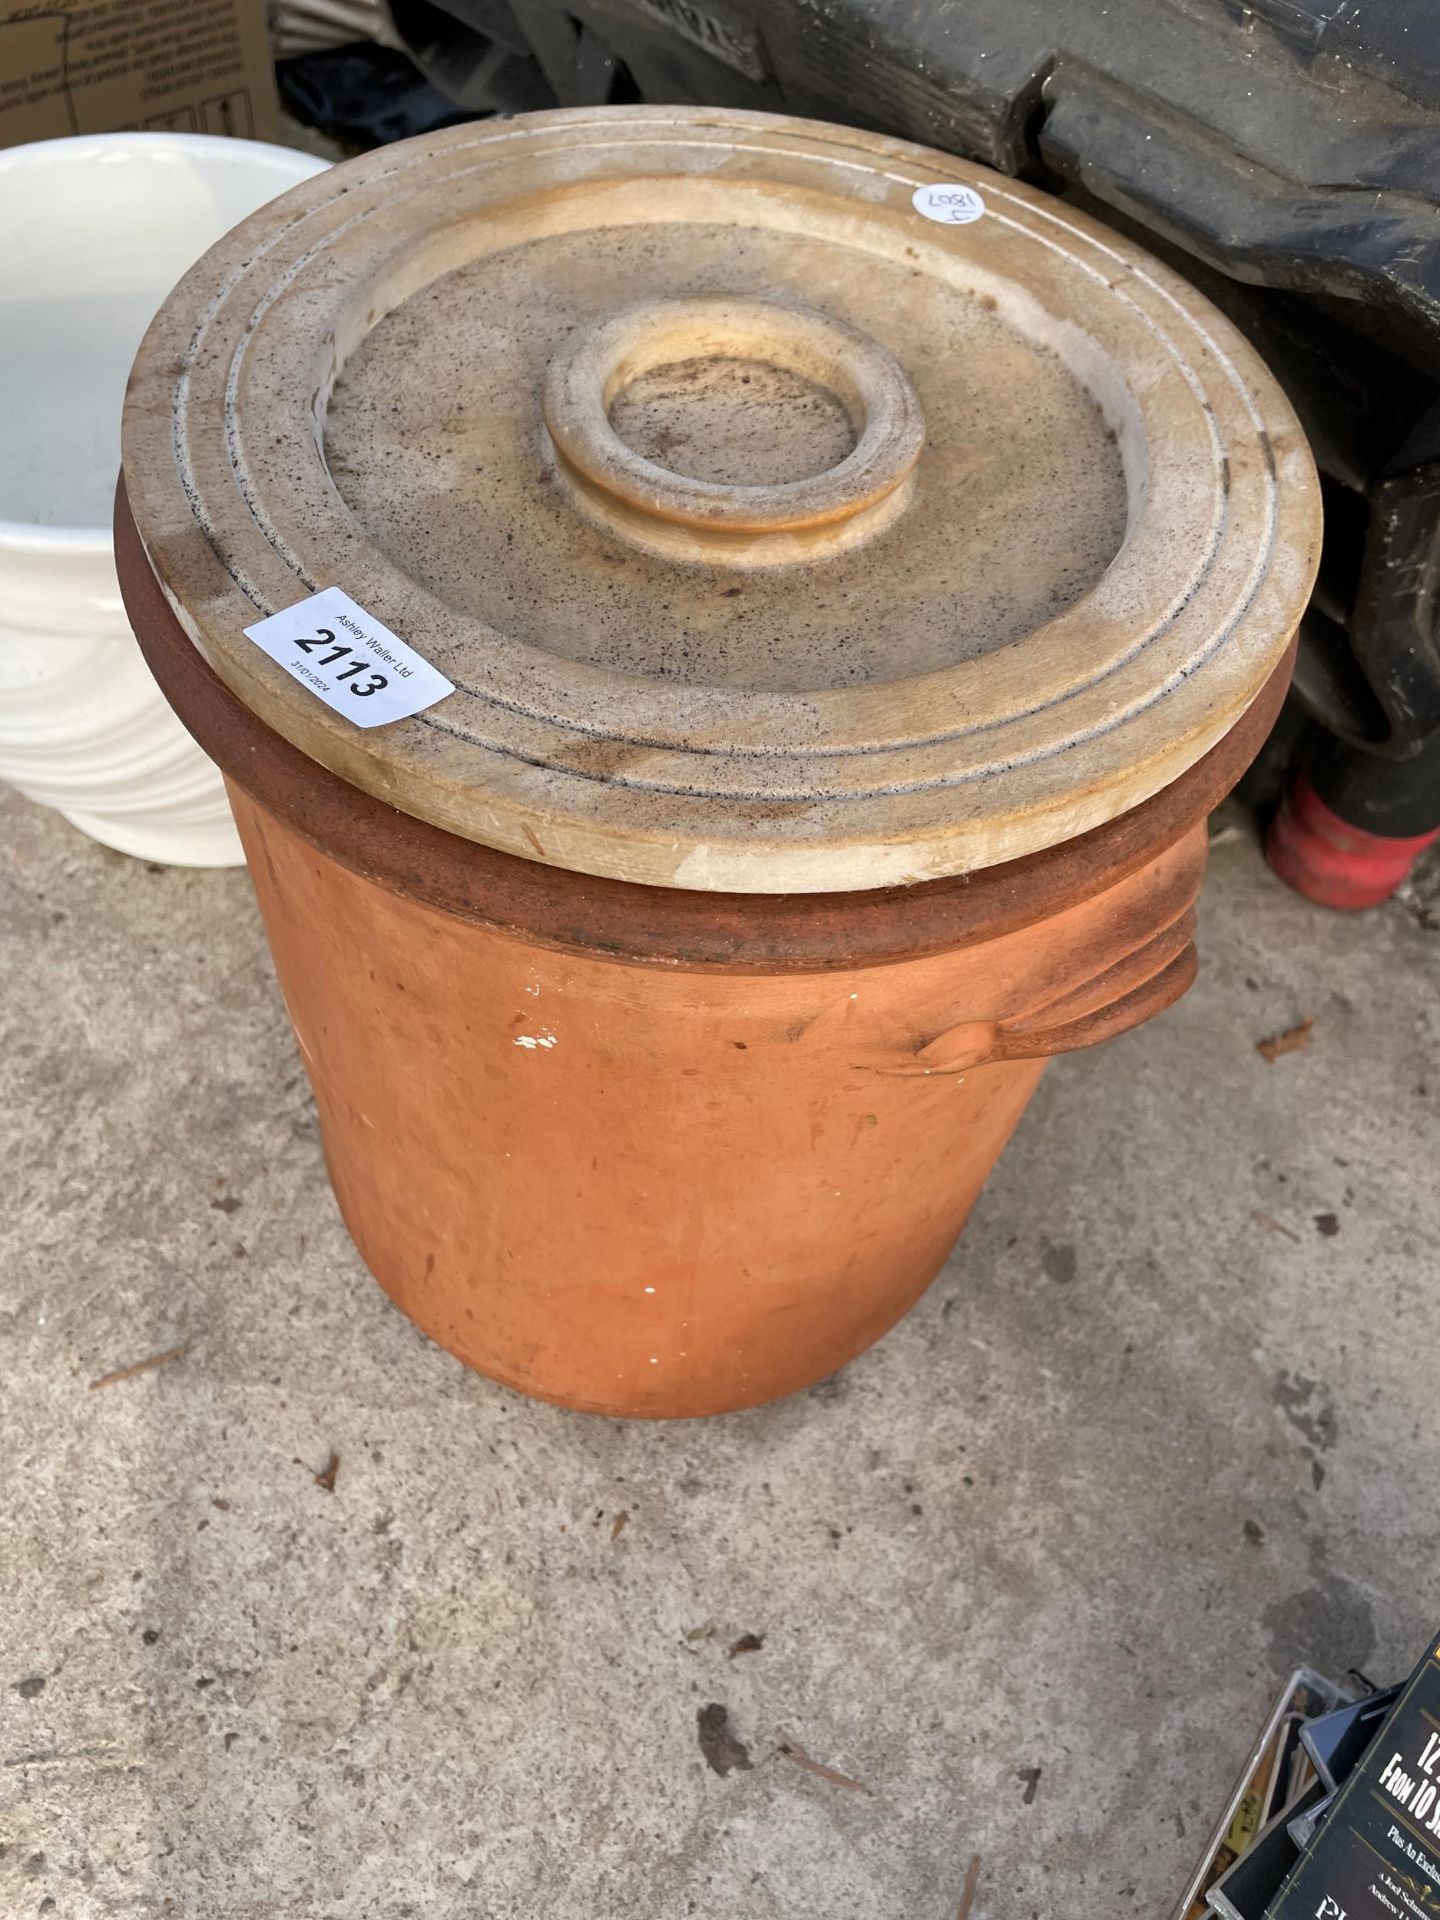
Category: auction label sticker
[348,659]
[953,206]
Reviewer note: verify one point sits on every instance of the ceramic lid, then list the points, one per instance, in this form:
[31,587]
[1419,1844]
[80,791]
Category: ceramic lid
[790,508]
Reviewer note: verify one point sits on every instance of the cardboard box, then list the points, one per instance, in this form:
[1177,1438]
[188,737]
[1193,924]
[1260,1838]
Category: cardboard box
[106,66]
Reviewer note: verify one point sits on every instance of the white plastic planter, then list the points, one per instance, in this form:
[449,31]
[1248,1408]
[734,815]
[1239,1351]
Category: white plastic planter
[94,232]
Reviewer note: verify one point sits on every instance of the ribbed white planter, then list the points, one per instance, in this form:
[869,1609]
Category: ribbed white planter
[93,233]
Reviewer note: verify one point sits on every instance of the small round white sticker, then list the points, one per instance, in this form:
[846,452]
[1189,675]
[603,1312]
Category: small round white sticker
[953,206]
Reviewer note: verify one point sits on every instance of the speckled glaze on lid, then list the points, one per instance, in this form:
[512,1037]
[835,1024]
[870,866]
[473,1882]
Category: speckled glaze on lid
[776,537]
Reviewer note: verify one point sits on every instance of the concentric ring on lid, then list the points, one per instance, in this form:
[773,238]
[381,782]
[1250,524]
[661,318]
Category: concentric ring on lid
[725,522]
[1044,525]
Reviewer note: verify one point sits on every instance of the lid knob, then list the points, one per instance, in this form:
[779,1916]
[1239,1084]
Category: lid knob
[719,521]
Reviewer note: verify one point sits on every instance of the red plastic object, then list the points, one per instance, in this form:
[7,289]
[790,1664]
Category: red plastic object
[1332,863]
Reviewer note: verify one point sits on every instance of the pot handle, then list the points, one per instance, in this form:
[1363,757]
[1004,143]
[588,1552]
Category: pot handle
[1123,995]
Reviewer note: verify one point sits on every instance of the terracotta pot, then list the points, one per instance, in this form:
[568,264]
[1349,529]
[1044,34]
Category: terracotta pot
[650,1152]
[832,619]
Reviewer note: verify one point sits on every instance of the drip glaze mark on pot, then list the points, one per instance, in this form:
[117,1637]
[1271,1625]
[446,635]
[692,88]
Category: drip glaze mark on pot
[532,1040]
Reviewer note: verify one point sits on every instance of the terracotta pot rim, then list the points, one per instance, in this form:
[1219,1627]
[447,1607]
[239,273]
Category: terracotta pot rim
[627,921]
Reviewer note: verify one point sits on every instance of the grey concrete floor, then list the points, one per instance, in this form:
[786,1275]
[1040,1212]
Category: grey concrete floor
[1153,1437]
